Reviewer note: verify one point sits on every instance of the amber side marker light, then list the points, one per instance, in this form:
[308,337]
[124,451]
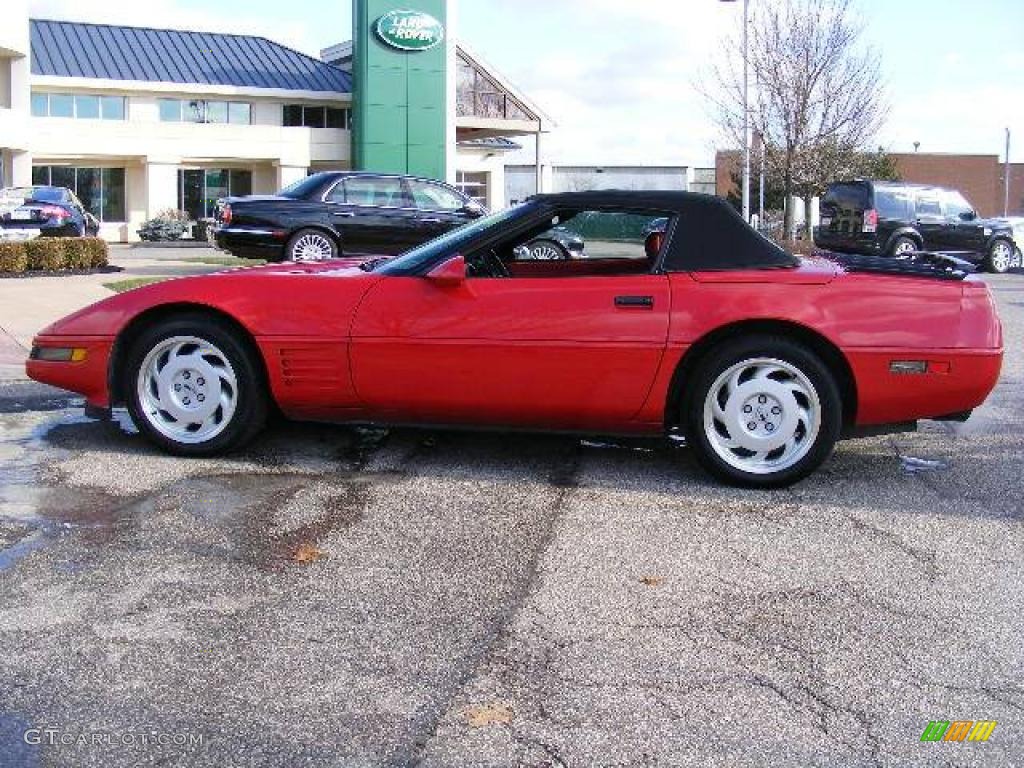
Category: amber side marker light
[58,354]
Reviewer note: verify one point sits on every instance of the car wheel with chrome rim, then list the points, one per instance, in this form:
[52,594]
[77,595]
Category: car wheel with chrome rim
[764,412]
[548,250]
[311,245]
[904,246]
[1000,257]
[194,386]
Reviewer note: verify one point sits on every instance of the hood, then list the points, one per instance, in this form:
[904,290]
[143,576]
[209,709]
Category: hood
[268,293]
[994,223]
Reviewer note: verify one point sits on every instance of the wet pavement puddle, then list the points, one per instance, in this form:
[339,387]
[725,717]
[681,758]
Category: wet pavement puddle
[911,465]
[34,512]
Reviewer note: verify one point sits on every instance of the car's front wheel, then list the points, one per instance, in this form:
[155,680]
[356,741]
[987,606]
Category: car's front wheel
[311,245]
[1000,257]
[764,411]
[194,387]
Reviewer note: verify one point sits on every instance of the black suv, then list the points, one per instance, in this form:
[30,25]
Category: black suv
[893,218]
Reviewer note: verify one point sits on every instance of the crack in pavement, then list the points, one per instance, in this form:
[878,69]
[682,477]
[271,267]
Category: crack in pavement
[565,478]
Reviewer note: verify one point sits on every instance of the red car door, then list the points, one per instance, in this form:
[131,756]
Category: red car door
[558,352]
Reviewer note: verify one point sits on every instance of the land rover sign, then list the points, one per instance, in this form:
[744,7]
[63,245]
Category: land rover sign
[409,30]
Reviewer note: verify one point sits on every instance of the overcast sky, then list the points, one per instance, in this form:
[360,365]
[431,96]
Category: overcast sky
[618,76]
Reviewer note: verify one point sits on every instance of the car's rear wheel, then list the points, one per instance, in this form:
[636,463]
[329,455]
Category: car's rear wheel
[194,387]
[1000,257]
[311,245]
[764,411]
[904,246]
[548,250]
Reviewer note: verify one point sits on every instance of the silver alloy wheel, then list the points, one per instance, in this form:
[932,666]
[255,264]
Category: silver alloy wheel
[187,389]
[312,246]
[546,251]
[904,247]
[1001,256]
[762,415]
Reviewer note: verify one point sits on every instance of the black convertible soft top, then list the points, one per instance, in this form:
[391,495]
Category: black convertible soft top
[708,233]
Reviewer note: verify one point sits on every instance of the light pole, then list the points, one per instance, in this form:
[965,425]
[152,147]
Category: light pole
[1006,177]
[746,114]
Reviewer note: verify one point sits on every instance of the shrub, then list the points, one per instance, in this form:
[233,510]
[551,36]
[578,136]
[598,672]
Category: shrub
[76,255]
[12,257]
[45,253]
[97,249]
[165,226]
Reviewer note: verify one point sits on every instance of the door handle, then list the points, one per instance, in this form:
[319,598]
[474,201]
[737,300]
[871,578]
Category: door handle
[430,221]
[635,302]
[343,214]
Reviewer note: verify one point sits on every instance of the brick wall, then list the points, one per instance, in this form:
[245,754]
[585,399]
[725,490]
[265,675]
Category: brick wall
[978,177]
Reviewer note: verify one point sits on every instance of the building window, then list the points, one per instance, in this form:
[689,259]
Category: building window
[239,113]
[477,95]
[299,115]
[101,190]
[199,189]
[80,105]
[112,107]
[40,105]
[472,185]
[202,111]
[62,105]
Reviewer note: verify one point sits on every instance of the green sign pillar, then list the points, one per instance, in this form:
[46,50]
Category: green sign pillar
[403,107]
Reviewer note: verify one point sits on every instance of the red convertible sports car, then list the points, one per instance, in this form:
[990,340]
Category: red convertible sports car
[699,327]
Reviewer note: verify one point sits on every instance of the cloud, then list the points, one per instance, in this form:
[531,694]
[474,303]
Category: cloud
[622,87]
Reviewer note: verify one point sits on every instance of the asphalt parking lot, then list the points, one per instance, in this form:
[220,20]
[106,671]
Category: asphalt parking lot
[346,598]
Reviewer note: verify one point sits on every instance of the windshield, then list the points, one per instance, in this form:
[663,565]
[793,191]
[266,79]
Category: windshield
[450,242]
[302,187]
[852,196]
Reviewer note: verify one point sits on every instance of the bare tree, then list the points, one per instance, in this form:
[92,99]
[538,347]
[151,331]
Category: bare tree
[817,97]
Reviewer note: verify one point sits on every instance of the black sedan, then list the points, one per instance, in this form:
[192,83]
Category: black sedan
[42,211]
[334,213]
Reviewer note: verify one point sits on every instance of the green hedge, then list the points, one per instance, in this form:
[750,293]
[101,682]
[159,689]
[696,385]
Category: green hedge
[13,258]
[52,254]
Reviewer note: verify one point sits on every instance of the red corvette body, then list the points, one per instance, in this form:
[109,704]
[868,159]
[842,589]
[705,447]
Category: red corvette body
[341,344]
[550,346]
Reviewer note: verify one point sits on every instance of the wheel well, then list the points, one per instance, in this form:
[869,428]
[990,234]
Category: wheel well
[910,234]
[140,322]
[317,227]
[829,353]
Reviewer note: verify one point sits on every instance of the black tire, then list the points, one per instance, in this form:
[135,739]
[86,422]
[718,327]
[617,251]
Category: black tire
[251,406]
[1000,257]
[309,232]
[563,252]
[780,348]
[903,242]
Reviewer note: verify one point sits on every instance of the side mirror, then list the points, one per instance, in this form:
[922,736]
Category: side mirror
[969,215]
[450,274]
[474,209]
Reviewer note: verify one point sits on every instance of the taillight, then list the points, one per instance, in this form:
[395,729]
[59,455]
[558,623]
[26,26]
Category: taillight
[225,214]
[870,220]
[54,212]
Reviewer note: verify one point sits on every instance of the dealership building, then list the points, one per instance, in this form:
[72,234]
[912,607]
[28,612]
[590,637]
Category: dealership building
[137,121]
